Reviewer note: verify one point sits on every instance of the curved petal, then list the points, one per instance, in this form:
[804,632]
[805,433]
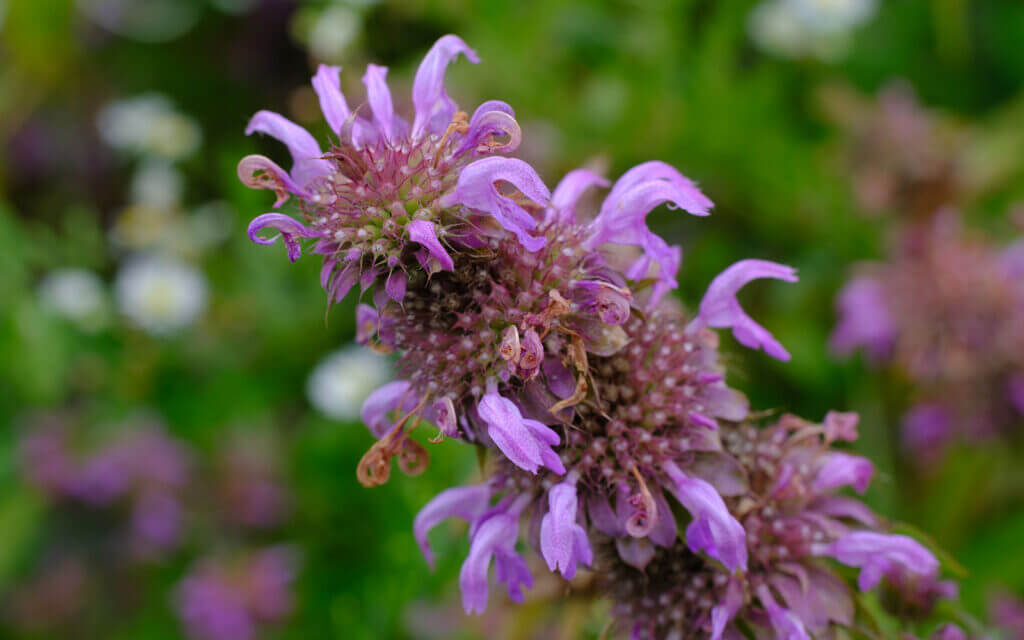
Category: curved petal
[306,154]
[475,190]
[720,309]
[842,469]
[290,228]
[424,232]
[467,503]
[563,542]
[434,109]
[713,530]
[377,406]
[569,191]
[878,553]
[260,172]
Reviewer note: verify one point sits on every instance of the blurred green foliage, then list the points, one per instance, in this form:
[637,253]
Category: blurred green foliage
[613,83]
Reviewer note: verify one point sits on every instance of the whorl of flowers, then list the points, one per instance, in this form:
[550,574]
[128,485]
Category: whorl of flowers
[780,483]
[533,329]
[944,311]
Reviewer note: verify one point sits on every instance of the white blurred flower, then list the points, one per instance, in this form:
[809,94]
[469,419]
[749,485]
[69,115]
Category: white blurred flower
[341,381]
[332,32]
[149,124]
[808,28]
[76,294]
[143,20]
[157,184]
[158,294]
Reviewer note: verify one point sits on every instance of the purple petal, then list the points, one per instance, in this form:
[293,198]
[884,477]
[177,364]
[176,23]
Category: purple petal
[467,503]
[723,613]
[511,570]
[491,119]
[305,151]
[289,229]
[1015,390]
[475,189]
[713,529]
[843,507]
[443,414]
[379,97]
[395,285]
[864,319]
[560,534]
[878,553]
[842,469]
[377,406]
[599,510]
[612,304]
[367,321]
[425,233]
[720,308]
[569,191]
[926,427]
[784,622]
[327,85]
[664,531]
[496,533]
[434,109]
[657,170]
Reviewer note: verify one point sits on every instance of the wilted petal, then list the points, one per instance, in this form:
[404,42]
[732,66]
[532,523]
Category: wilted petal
[467,503]
[713,529]
[305,151]
[425,233]
[720,308]
[476,190]
[260,172]
[377,406]
[842,469]
[443,414]
[612,304]
[878,553]
[434,109]
[290,229]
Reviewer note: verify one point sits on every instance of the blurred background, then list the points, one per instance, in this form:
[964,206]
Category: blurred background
[179,424]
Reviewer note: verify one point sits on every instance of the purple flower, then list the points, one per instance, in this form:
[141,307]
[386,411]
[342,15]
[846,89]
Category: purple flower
[563,542]
[434,109]
[841,469]
[721,309]
[476,191]
[467,503]
[713,530]
[289,228]
[926,428]
[878,553]
[785,623]
[527,443]
[494,538]
[425,233]
[380,403]
[622,219]
[569,191]
[864,319]
[306,154]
